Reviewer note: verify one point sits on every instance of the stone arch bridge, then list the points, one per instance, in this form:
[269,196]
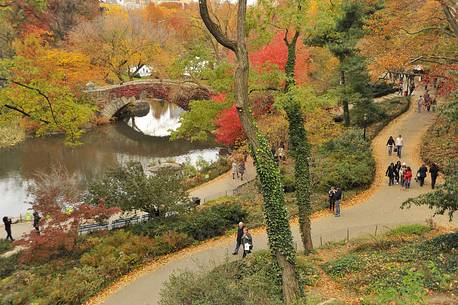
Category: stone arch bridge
[111,99]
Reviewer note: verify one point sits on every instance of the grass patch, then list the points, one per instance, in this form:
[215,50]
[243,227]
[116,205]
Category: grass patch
[414,229]
[5,246]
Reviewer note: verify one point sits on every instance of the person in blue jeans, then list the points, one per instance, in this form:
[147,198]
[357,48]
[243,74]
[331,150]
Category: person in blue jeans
[399,144]
[338,199]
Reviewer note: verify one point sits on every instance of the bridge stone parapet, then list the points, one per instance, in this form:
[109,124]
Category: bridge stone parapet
[111,99]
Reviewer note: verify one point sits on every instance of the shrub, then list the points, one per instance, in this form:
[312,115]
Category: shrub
[414,229]
[8,265]
[169,242]
[345,264]
[5,246]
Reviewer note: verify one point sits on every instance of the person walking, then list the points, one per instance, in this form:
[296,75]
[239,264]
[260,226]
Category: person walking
[407,177]
[235,170]
[242,170]
[390,173]
[8,222]
[420,103]
[434,171]
[332,201]
[390,144]
[399,144]
[36,221]
[338,199]
[401,173]
[247,242]
[240,228]
[397,169]
[421,174]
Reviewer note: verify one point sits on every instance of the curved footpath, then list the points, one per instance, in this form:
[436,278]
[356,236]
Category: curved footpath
[379,210]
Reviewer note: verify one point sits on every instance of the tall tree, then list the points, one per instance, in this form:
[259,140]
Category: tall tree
[278,230]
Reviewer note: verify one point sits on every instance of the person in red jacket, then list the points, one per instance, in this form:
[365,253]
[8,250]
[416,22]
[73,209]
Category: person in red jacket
[407,177]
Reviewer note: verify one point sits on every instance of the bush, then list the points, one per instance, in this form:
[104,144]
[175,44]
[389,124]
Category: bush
[346,162]
[5,246]
[344,265]
[8,265]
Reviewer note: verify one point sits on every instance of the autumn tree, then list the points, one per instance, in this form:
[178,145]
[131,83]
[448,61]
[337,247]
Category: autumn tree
[278,230]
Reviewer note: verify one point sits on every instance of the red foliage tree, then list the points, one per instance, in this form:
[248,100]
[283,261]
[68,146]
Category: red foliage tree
[59,200]
[276,53]
[229,129]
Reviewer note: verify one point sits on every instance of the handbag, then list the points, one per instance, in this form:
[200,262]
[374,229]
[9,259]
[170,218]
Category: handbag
[395,149]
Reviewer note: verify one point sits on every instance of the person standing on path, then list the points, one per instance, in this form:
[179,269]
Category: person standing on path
[399,144]
[332,201]
[8,222]
[421,173]
[36,221]
[390,144]
[407,177]
[390,173]
[247,242]
[338,199]
[240,228]
[434,171]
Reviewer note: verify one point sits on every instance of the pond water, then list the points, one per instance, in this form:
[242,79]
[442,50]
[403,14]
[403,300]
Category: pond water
[146,141]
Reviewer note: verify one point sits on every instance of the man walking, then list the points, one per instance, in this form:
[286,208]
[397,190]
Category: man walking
[434,171]
[36,221]
[239,238]
[399,144]
[338,199]
[422,174]
[8,222]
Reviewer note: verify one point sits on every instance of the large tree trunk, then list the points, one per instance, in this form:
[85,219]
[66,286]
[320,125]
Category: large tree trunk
[299,148]
[346,109]
[278,230]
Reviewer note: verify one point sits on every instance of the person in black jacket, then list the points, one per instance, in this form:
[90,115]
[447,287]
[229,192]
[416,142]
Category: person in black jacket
[390,173]
[421,173]
[247,242]
[390,144]
[338,199]
[332,201]
[239,238]
[434,171]
[397,169]
[8,222]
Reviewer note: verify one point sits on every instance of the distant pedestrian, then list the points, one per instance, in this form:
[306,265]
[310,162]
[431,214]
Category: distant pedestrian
[399,145]
[412,88]
[36,221]
[338,199]
[245,156]
[427,101]
[332,201]
[390,173]
[247,242]
[420,103]
[407,177]
[235,170]
[434,171]
[397,169]
[401,173]
[240,228]
[242,170]
[421,174]
[390,144]
[8,222]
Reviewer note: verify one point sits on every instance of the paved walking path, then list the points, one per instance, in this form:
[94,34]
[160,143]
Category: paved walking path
[379,211]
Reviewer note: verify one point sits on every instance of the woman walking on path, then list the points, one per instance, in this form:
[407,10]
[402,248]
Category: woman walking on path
[434,171]
[401,173]
[247,242]
[421,173]
[399,144]
[332,201]
[397,169]
[390,143]
[390,173]
[407,177]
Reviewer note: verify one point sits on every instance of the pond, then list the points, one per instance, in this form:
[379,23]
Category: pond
[146,141]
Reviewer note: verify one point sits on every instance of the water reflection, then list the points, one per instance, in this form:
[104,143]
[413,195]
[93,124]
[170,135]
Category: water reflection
[103,148]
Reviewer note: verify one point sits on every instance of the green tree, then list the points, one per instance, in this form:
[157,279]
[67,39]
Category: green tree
[130,188]
[278,230]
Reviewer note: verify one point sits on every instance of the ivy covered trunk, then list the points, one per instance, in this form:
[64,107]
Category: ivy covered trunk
[299,149]
[278,230]
[346,109]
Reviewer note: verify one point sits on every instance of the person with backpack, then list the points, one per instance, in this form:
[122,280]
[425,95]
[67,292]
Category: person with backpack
[399,144]
[338,199]
[332,201]
[390,173]
[240,228]
[247,242]
[421,174]
[434,171]
[390,144]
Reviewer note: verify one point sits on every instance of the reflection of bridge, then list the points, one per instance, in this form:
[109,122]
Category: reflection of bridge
[110,99]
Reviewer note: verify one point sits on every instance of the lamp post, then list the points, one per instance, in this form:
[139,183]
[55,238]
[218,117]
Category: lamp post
[365,125]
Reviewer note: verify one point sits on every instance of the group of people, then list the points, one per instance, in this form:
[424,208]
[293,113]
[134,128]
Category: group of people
[395,145]
[335,197]
[239,167]
[244,239]
[426,102]
[402,174]
[8,222]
